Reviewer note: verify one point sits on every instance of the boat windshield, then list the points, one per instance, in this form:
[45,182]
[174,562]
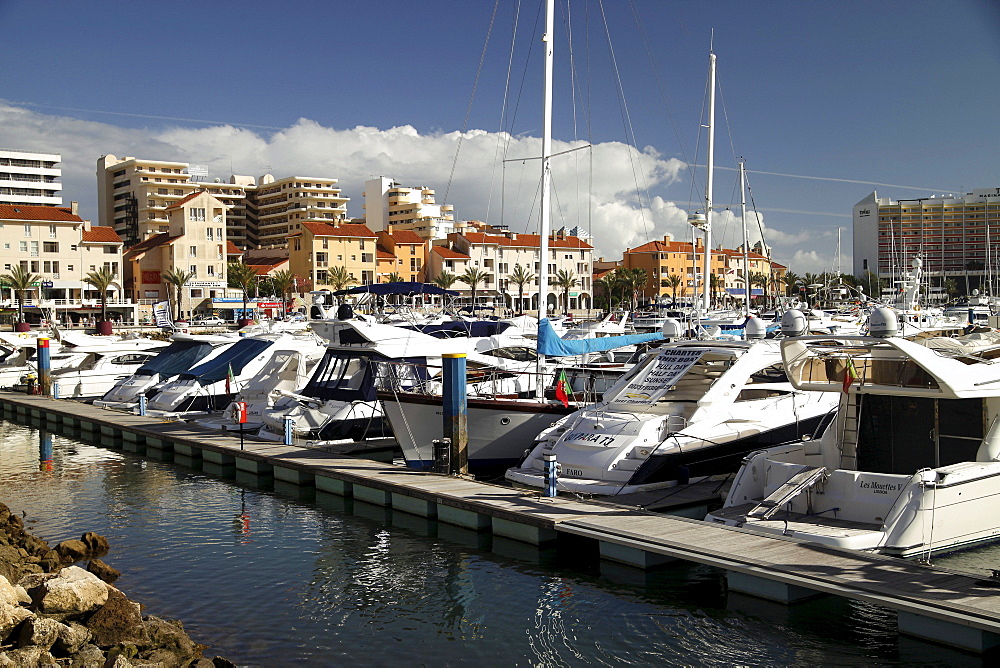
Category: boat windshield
[234,359]
[177,357]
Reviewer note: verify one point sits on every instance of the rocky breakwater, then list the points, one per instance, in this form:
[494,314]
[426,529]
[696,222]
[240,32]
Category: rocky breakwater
[53,613]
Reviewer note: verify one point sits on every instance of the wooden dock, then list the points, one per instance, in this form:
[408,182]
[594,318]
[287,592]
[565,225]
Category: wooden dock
[943,606]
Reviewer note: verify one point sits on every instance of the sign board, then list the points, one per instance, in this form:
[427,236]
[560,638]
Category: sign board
[151,277]
[653,381]
[239,412]
[206,284]
[47,284]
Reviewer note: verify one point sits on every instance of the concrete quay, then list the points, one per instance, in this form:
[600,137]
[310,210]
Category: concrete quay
[955,609]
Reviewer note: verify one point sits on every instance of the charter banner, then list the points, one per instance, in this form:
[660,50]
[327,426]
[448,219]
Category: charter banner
[659,376]
[161,314]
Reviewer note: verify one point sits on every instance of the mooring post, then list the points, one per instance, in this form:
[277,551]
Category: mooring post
[455,404]
[44,367]
[289,426]
[143,401]
[551,471]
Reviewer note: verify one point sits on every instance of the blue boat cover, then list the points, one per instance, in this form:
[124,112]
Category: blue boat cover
[550,345]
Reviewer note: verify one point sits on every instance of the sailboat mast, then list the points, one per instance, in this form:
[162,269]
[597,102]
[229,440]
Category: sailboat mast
[543,233]
[746,241]
[709,182]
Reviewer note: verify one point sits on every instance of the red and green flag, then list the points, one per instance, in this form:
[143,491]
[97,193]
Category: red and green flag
[850,375]
[564,392]
[230,379]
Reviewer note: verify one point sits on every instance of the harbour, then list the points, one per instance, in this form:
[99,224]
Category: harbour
[939,605]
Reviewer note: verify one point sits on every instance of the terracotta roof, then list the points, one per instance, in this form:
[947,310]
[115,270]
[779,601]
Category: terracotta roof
[185,200]
[231,248]
[448,253]
[385,255]
[264,269]
[665,247]
[525,240]
[153,242]
[738,253]
[346,230]
[100,235]
[406,237]
[35,212]
[775,265]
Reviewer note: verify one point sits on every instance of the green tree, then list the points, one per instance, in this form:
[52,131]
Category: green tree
[244,277]
[102,279]
[394,278]
[20,281]
[283,281]
[473,276]
[673,281]
[792,282]
[521,277]
[340,279]
[445,280]
[566,280]
[177,278]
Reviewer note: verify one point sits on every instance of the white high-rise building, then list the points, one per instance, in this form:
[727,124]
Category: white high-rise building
[28,177]
[414,209]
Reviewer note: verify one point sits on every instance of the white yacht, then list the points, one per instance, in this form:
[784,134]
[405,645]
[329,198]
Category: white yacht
[689,410]
[910,465]
[184,353]
[102,367]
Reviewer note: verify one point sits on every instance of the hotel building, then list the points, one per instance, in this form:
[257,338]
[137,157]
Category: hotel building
[414,209]
[27,177]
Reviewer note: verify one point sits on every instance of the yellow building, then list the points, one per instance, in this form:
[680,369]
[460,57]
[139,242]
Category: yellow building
[405,254]
[315,248]
[284,204]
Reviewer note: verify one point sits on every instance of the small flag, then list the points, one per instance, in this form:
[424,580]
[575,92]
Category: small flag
[230,379]
[564,392]
[850,374]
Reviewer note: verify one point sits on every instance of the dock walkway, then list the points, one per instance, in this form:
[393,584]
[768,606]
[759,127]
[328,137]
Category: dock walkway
[952,608]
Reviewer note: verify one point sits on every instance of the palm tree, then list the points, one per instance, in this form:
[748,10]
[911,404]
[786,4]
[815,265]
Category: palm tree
[759,280]
[566,280]
[473,276]
[101,280]
[21,282]
[673,281]
[177,279]
[792,281]
[716,282]
[521,277]
[631,281]
[445,280]
[283,281]
[244,277]
[339,278]
[394,278]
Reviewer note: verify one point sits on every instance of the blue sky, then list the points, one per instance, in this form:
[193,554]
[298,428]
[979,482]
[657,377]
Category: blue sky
[826,101]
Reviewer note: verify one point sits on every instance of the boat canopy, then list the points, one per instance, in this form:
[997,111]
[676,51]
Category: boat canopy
[235,358]
[177,357]
[551,345]
[354,376]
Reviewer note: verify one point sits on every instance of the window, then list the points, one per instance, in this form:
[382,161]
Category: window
[150,294]
[209,233]
[34,250]
[192,251]
[109,250]
[218,233]
[52,231]
[210,270]
[160,191]
[22,246]
[326,243]
[50,246]
[194,271]
[196,214]
[27,229]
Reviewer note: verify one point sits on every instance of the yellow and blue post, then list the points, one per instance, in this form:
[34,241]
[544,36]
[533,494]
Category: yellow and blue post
[456,410]
[44,367]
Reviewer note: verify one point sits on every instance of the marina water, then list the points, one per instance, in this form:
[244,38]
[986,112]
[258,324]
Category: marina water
[268,575]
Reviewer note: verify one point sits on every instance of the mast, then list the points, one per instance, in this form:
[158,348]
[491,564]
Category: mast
[543,232]
[746,241]
[709,182]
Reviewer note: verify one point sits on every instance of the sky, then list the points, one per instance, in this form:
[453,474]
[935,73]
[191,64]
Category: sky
[825,101]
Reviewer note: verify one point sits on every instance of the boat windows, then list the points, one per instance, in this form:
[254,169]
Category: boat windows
[830,370]
[516,353]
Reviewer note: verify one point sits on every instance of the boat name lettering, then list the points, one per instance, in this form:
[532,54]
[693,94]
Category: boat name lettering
[577,472]
[881,487]
[589,437]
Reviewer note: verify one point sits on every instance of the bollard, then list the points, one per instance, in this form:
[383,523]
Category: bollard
[143,400]
[44,367]
[551,473]
[289,426]
[442,455]
[55,390]
[454,400]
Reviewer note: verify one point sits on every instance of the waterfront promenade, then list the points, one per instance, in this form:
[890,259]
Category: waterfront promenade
[951,608]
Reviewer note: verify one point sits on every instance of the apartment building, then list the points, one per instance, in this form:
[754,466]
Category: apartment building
[134,195]
[498,252]
[414,209]
[61,248]
[401,252]
[282,205]
[956,236]
[195,242]
[29,177]
[315,248]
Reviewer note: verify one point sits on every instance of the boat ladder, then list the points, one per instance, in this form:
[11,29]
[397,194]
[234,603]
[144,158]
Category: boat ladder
[794,486]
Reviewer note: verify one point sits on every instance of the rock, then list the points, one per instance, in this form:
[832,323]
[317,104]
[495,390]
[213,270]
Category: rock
[35,545]
[51,561]
[202,663]
[71,639]
[89,656]
[74,591]
[96,543]
[13,594]
[11,617]
[221,662]
[103,571]
[35,657]
[163,634]
[72,550]
[117,621]
[38,632]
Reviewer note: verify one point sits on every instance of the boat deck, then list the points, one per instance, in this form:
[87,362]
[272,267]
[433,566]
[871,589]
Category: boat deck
[945,606]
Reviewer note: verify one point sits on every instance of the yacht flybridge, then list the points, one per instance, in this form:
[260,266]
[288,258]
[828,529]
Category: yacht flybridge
[689,410]
[910,465]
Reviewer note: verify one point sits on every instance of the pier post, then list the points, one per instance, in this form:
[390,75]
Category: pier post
[551,474]
[44,367]
[143,400]
[289,423]
[455,404]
